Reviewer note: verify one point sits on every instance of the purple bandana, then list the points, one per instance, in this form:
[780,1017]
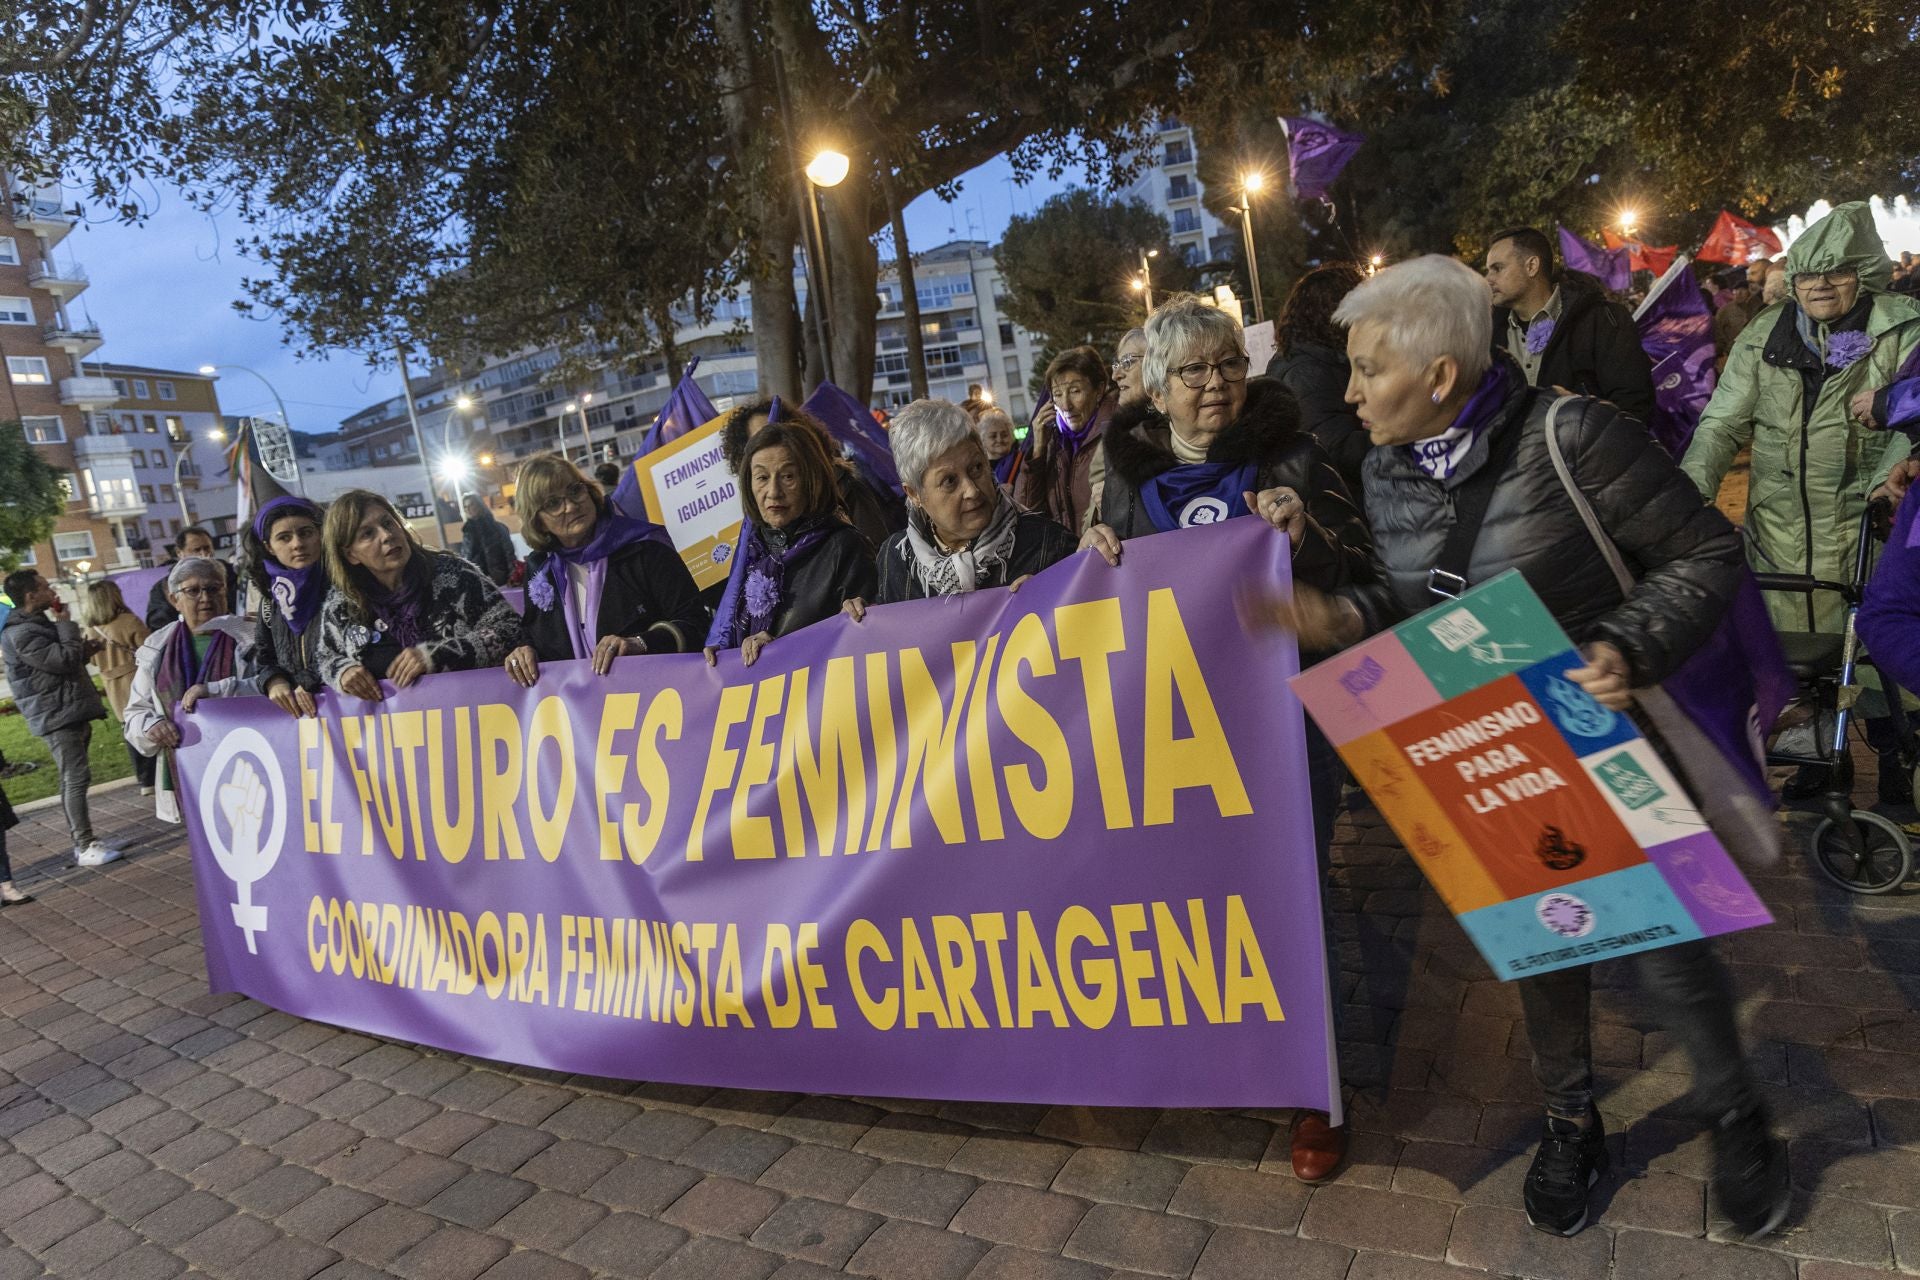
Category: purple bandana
[298,593]
[1539,333]
[757,587]
[1439,455]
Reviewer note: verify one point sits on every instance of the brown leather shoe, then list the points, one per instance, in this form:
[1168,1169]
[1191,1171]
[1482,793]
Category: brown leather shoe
[1318,1147]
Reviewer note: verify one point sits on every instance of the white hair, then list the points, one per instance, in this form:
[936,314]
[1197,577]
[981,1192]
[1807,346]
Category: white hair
[1428,307]
[1181,326]
[190,568]
[923,431]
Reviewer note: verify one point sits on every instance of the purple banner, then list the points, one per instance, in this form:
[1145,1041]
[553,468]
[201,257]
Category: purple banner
[1609,266]
[1052,846]
[1676,332]
[1316,153]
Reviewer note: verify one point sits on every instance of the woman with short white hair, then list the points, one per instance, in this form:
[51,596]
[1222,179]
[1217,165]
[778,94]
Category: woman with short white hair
[963,532]
[1463,485]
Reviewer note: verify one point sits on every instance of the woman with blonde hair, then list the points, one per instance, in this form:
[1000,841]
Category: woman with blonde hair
[398,611]
[106,617]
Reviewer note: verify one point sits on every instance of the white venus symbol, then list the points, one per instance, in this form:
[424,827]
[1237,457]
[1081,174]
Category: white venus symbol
[250,844]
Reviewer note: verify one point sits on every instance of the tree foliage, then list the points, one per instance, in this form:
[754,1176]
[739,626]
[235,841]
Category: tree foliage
[33,494]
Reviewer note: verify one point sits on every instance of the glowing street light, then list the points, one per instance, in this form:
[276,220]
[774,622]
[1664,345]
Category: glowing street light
[1374,264]
[1251,182]
[1629,219]
[1254,181]
[828,169]
[1144,284]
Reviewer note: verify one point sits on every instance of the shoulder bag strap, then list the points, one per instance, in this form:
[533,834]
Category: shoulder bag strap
[1608,552]
[1471,497]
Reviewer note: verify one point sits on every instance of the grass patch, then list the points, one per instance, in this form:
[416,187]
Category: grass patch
[107,751]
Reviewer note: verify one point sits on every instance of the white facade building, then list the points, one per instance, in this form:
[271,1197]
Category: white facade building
[1169,184]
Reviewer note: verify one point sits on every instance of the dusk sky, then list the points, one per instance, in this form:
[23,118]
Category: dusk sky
[162,294]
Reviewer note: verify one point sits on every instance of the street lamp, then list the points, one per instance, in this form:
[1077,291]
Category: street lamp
[216,435]
[1250,183]
[209,370]
[586,434]
[1145,283]
[454,469]
[1374,264]
[828,168]
[1629,219]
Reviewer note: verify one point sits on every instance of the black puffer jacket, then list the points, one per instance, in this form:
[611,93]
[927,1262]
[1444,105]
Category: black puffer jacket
[1335,557]
[1594,349]
[1686,556]
[1318,378]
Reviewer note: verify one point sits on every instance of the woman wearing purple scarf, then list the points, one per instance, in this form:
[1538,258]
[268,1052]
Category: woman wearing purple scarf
[600,585]
[798,560]
[397,611]
[284,563]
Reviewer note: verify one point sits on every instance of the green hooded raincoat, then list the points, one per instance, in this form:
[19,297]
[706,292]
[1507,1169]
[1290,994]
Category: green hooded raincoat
[1813,466]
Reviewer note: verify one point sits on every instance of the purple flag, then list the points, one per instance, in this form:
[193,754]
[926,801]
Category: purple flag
[1317,153]
[1676,331]
[952,851]
[687,408]
[852,424]
[1609,266]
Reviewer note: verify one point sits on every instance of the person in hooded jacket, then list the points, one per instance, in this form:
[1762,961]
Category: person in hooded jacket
[1310,359]
[1561,328]
[1788,392]
[286,562]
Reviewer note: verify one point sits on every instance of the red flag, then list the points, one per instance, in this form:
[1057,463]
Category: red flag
[1644,257]
[1736,241]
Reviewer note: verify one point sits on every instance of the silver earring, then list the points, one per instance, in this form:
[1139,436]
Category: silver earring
[1436,397]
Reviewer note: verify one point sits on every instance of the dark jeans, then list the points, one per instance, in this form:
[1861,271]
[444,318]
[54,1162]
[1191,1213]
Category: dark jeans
[143,767]
[6,868]
[1695,1004]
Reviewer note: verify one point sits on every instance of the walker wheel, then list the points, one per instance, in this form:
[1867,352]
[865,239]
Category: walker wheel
[1881,864]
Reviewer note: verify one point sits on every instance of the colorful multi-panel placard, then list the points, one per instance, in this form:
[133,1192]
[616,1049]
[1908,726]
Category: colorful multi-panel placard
[1544,820]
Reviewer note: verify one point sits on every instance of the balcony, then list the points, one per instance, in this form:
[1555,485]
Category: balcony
[64,283]
[39,211]
[77,340]
[88,392]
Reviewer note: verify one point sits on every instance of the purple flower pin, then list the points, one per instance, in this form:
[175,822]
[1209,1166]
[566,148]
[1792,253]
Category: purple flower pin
[1539,333]
[540,591]
[763,595]
[1846,347]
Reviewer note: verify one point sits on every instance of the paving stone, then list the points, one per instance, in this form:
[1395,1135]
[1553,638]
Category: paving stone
[824,1173]
[100,1176]
[349,1098]
[222,1247]
[735,1152]
[723,1207]
[183,1217]
[1122,1127]
[1117,1235]
[142,1262]
[277,1190]
[235,1168]
[916,1139]
[1211,1137]
[527,1104]
[526,1265]
[363,1161]
[1383,1221]
[479,1199]
[1242,1197]
[1502,1241]
[913,1192]
[815,1231]
[416,1179]
[90,1247]
[383,1234]
[395,1116]
[1120,1177]
[451,1253]
[317,1143]
[1233,1252]
[704,1258]
[502,1147]
[1829,1227]
[327,1212]
[475,1090]
[1657,1202]
[590,1119]
[570,1166]
[1003,1262]
[828,1122]
[1886,1177]
[626,1244]
[1394,1266]
[287,1259]
[1019,1216]
[1645,1253]
[446,1133]
[549,1220]
[1011,1157]
[658,1133]
[914,1251]
[643,1185]
[137,1197]
[1905,1229]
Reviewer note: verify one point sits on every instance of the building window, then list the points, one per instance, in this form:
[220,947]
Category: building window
[146,494]
[9,251]
[156,529]
[165,389]
[16,311]
[29,371]
[70,485]
[77,545]
[1006,333]
[175,522]
[119,386]
[176,432]
[1185,220]
[166,493]
[29,558]
[45,430]
[150,423]
[139,388]
[1179,153]
[1181,188]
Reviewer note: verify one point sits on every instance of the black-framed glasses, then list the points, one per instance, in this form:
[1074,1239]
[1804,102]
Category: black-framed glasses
[201,593]
[1200,372]
[1844,275]
[577,494]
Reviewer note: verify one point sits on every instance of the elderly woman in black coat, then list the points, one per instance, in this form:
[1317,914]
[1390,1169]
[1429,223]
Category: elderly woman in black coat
[1456,429]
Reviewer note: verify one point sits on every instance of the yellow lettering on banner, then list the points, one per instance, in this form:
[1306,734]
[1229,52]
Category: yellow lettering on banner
[519,957]
[813,978]
[1089,633]
[980,775]
[330,831]
[1187,963]
[320,834]
[316,916]
[537,973]
[450,790]
[1248,982]
[408,730]
[833,777]
[958,971]
[919,992]
[665,718]
[1078,924]
[351,730]
[1043,811]
[500,783]
[550,722]
[991,929]
[779,952]
[932,728]
[705,935]
[389,942]
[1036,992]
[618,712]
[752,836]
[886,744]
[610,964]
[656,971]
[863,937]
[1169,764]
[721,760]
[486,930]
[730,1001]
[1136,966]
[683,986]
[384,772]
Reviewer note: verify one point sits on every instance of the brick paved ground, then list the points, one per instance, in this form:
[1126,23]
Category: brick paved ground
[149,1130]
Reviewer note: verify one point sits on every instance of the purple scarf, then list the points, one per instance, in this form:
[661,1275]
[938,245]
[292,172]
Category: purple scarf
[1009,466]
[299,593]
[181,667]
[614,532]
[1076,437]
[401,608]
[1439,455]
[757,586]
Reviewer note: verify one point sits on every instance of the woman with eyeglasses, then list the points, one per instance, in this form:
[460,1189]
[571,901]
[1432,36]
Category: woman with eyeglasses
[600,584]
[398,611]
[1787,391]
[1126,366]
[1063,452]
[1209,444]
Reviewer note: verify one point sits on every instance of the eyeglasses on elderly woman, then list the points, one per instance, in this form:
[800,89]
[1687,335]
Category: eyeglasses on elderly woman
[1197,374]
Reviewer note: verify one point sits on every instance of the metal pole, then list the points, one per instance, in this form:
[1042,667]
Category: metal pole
[826,290]
[426,472]
[816,271]
[586,430]
[1146,279]
[299,483]
[179,491]
[1253,263]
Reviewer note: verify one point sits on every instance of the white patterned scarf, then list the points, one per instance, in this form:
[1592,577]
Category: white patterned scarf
[945,573]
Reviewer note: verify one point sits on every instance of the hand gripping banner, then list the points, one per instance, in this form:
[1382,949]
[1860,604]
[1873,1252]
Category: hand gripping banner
[1046,846]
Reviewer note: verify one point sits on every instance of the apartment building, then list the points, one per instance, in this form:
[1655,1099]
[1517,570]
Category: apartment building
[968,339]
[158,418]
[1169,184]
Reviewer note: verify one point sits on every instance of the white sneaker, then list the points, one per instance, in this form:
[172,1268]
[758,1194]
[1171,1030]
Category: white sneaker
[146,791]
[95,855]
[10,896]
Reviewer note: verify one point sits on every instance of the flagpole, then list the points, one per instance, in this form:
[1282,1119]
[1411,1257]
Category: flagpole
[419,443]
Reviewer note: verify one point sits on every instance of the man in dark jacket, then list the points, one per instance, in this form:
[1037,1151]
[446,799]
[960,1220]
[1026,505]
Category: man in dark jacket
[46,663]
[1561,327]
[485,542]
[190,541]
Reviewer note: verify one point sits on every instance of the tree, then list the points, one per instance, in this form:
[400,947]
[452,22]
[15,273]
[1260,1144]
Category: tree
[1070,267]
[33,494]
